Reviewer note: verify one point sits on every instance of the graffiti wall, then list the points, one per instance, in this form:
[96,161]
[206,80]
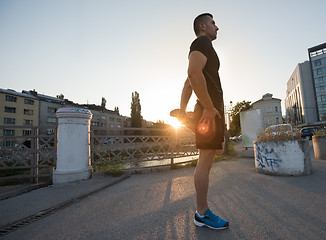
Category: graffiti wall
[282,157]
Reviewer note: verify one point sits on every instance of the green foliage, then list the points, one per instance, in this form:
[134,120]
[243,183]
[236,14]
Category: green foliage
[160,124]
[103,102]
[110,167]
[61,96]
[235,127]
[116,109]
[282,135]
[320,132]
[135,115]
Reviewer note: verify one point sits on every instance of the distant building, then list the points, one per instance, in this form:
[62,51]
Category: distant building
[17,109]
[305,100]
[270,108]
[48,106]
[317,57]
[300,101]
[104,121]
[30,108]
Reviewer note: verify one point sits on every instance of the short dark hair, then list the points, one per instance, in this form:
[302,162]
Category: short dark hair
[202,18]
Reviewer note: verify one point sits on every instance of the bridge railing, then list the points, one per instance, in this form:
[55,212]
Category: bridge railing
[27,153]
[144,147]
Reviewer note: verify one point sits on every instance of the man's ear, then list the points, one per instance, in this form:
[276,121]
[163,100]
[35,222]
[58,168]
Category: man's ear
[202,26]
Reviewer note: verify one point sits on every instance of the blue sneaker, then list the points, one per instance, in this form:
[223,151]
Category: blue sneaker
[210,220]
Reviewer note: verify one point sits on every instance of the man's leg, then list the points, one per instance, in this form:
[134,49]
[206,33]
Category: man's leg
[204,216]
[201,177]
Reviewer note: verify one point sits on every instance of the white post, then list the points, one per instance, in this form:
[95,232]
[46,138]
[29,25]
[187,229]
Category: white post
[73,154]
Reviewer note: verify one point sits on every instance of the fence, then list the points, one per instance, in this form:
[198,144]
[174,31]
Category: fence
[139,147]
[27,154]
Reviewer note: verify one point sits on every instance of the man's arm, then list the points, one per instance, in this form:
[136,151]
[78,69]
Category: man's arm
[197,62]
[185,95]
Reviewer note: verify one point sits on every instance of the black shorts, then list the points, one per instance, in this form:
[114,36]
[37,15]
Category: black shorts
[207,139]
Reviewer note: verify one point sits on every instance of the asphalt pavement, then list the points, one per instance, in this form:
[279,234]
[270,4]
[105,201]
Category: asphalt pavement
[161,205]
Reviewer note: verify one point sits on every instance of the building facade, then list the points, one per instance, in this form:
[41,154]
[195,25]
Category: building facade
[270,108]
[317,57]
[305,100]
[48,106]
[18,109]
[300,104]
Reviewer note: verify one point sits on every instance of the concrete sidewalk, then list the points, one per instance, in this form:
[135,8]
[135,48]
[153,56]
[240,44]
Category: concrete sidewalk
[40,200]
[161,206]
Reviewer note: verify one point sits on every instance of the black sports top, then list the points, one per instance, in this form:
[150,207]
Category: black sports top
[204,45]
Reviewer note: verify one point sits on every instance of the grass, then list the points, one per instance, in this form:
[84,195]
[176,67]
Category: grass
[114,168]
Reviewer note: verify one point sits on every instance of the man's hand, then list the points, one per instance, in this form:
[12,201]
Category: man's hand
[207,120]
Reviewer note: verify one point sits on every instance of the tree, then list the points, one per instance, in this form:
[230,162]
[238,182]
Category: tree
[135,115]
[116,109]
[61,96]
[103,103]
[235,127]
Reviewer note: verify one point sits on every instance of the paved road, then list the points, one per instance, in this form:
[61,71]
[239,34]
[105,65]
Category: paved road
[161,206]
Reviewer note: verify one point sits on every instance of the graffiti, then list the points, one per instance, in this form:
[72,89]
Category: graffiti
[266,158]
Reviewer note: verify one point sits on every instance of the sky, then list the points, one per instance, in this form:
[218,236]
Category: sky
[89,49]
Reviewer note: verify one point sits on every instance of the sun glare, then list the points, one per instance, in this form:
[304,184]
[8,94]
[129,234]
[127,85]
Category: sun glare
[175,123]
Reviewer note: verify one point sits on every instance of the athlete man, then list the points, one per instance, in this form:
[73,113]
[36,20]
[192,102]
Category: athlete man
[203,79]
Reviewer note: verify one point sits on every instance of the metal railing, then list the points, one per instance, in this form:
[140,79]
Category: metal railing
[27,153]
[144,147]
[30,154]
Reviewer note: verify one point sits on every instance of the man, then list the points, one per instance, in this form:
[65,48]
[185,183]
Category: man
[203,79]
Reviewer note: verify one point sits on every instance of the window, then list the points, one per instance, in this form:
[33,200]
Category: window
[319,71]
[277,120]
[268,109]
[52,120]
[9,121]
[320,80]
[319,89]
[10,109]
[28,112]
[8,143]
[111,125]
[29,101]
[52,110]
[11,98]
[111,118]
[27,122]
[317,62]
[27,132]
[276,109]
[8,132]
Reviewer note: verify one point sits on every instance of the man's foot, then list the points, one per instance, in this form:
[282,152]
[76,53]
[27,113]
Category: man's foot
[184,118]
[210,220]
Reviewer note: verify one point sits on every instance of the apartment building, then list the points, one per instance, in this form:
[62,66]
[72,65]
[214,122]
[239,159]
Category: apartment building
[17,109]
[300,98]
[104,121]
[305,100]
[270,108]
[317,57]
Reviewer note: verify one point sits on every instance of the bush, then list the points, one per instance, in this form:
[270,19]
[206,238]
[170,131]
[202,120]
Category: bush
[320,132]
[281,135]
[111,167]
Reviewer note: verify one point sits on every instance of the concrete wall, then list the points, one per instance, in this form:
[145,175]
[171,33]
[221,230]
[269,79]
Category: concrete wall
[283,157]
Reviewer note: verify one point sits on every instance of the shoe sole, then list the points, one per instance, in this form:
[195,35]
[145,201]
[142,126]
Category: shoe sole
[199,224]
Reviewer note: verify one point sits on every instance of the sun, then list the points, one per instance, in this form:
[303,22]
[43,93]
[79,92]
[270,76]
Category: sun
[174,123]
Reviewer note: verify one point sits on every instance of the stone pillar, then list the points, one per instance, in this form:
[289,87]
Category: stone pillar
[73,155]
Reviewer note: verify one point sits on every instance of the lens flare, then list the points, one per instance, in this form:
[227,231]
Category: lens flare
[202,128]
